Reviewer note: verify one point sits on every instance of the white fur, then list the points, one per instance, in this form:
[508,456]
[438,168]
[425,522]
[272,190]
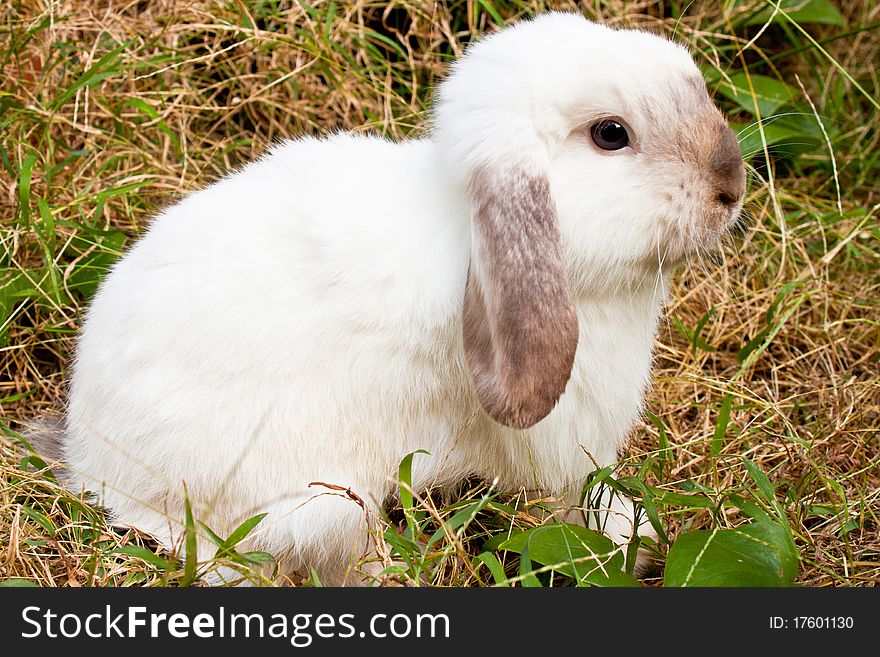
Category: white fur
[300,320]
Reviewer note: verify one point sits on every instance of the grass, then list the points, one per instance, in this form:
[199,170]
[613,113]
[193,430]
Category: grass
[767,381]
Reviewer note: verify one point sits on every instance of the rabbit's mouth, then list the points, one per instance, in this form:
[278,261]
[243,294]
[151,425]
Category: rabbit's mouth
[696,235]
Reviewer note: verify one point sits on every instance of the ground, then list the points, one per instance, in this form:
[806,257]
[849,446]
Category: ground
[769,352]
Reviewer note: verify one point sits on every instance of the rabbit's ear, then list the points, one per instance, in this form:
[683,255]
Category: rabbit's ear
[519,324]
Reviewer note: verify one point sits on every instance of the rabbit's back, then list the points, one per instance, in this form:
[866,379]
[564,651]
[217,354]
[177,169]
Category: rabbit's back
[295,322]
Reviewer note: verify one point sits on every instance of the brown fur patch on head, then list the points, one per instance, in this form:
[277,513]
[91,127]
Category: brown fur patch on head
[714,166]
[700,137]
[519,324]
[726,167]
[719,168]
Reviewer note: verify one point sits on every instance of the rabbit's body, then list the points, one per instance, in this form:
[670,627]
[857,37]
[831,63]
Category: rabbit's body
[206,314]
[489,295]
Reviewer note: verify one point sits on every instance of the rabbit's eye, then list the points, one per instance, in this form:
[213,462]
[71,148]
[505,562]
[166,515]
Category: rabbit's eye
[609,135]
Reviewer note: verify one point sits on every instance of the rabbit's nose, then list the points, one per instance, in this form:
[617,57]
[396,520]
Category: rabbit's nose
[727,169]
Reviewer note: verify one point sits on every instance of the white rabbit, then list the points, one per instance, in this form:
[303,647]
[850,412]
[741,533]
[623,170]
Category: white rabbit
[489,294]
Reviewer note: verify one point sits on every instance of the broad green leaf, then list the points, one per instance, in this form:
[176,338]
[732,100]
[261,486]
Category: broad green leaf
[758,554]
[35,462]
[769,94]
[800,11]
[526,572]
[583,554]
[18,582]
[790,134]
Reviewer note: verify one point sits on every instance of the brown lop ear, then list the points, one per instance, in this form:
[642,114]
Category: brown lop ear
[519,324]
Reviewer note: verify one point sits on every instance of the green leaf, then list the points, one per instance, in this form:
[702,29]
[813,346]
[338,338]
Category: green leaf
[40,519]
[758,554]
[597,478]
[648,504]
[191,553]
[527,577]
[769,94]
[404,473]
[94,74]
[258,557]
[662,438]
[789,134]
[760,480]
[24,187]
[460,519]
[18,582]
[217,540]
[153,115]
[490,9]
[92,263]
[394,45]
[698,341]
[46,233]
[693,337]
[589,557]
[751,345]
[403,547]
[149,556]
[243,530]
[800,11]
[694,501]
[12,291]
[756,346]
[721,425]
[121,190]
[491,562]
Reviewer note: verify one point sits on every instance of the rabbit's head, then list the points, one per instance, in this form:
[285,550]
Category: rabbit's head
[591,157]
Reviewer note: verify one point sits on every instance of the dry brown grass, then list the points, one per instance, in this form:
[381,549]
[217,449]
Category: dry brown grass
[198,88]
